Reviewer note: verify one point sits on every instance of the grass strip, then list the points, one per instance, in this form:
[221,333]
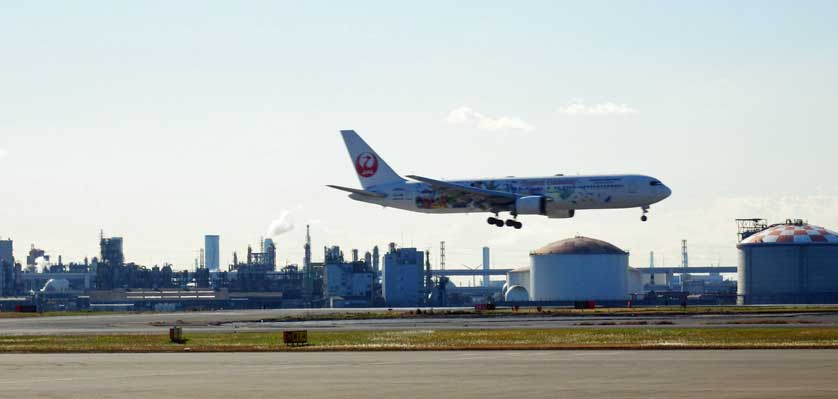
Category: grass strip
[503,312]
[612,338]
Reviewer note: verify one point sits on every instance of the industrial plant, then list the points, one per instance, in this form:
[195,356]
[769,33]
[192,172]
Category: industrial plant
[786,263]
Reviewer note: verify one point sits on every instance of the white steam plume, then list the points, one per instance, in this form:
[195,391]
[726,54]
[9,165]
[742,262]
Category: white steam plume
[42,264]
[280,225]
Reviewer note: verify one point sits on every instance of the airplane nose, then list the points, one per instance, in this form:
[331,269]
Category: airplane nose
[666,192]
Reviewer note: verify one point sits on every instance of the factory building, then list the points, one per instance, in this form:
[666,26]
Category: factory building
[110,268]
[403,277]
[375,259]
[111,251]
[34,255]
[347,283]
[212,253]
[793,262]
[578,268]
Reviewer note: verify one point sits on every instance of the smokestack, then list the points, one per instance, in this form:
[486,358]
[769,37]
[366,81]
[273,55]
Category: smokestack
[375,259]
[486,266]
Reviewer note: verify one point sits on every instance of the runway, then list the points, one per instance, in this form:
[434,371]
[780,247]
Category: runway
[503,374]
[261,320]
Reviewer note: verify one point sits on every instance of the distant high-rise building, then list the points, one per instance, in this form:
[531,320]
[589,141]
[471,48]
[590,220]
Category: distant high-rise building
[212,253]
[7,268]
[6,252]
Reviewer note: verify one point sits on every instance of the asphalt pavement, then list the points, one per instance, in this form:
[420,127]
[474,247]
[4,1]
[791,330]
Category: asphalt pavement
[406,375]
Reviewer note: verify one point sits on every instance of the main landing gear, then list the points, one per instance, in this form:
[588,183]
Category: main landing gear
[645,209]
[509,222]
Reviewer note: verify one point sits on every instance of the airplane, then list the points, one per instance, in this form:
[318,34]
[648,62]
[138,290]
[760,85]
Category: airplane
[555,196]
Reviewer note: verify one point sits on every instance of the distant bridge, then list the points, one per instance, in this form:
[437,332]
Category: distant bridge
[691,269]
[469,272]
[644,270]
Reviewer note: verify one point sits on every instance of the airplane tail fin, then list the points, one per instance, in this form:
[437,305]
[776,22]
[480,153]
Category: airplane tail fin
[370,168]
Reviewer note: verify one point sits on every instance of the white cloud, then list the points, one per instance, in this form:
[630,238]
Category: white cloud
[469,117]
[3,153]
[578,107]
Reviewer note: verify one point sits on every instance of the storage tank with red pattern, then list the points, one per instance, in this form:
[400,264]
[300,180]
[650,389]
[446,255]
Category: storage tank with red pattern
[792,262]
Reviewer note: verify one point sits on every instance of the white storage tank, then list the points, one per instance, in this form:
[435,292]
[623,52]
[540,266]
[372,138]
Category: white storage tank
[55,285]
[578,269]
[635,281]
[519,277]
[794,262]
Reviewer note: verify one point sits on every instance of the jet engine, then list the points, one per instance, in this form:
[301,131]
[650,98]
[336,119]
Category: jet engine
[531,205]
[541,205]
[560,213]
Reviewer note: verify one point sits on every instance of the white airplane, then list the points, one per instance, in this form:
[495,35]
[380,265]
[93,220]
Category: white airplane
[554,196]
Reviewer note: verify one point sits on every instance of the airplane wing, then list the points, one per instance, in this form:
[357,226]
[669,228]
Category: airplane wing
[359,192]
[497,198]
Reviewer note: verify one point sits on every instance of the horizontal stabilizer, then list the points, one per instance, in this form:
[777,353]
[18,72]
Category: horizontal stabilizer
[359,192]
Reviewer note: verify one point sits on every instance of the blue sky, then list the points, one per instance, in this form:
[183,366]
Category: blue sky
[162,121]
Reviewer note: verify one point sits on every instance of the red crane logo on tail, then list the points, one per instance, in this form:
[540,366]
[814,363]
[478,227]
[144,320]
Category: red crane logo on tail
[366,164]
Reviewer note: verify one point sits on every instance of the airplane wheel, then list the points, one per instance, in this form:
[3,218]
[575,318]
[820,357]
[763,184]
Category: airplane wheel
[491,220]
[518,225]
[499,223]
[643,218]
[510,222]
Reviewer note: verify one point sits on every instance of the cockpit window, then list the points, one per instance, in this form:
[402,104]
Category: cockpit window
[655,183]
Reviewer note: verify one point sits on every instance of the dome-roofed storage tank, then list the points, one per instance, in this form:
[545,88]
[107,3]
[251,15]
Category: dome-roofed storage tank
[577,269]
[516,293]
[793,262]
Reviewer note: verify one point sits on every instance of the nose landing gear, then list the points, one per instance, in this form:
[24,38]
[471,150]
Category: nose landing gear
[645,209]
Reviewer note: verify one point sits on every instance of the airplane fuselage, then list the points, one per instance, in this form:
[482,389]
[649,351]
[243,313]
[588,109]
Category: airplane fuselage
[553,196]
[568,193]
